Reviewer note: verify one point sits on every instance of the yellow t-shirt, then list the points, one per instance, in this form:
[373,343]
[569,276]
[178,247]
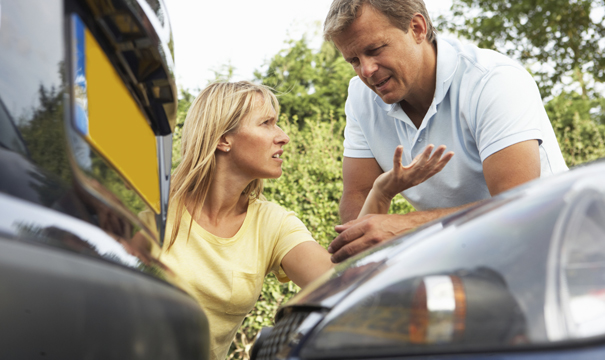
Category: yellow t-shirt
[225,275]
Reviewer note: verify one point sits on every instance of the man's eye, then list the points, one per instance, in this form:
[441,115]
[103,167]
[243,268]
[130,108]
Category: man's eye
[374,51]
[354,62]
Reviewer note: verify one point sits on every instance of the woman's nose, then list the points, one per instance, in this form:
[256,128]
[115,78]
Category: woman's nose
[282,137]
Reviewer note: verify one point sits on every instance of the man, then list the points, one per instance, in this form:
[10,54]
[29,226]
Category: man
[414,88]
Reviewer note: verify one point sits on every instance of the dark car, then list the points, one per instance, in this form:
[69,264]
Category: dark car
[520,276]
[87,111]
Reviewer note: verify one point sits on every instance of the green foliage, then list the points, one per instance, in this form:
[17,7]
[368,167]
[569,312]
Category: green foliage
[308,83]
[580,133]
[558,35]
[185,100]
[42,130]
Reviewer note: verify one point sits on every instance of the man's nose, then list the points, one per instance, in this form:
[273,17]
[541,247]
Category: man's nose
[368,67]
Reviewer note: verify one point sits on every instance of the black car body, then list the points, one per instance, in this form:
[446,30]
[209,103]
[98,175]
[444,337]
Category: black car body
[87,111]
[519,276]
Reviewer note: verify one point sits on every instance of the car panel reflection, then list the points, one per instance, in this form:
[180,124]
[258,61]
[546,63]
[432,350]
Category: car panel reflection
[516,276]
[79,271]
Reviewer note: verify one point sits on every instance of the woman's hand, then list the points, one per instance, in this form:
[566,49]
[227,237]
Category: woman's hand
[400,177]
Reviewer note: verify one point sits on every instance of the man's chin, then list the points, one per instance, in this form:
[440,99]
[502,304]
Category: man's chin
[388,98]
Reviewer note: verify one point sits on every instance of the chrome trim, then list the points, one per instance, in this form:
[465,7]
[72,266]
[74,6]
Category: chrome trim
[23,219]
[164,147]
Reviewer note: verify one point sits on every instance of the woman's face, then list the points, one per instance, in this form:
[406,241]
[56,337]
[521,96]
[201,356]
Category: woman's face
[256,147]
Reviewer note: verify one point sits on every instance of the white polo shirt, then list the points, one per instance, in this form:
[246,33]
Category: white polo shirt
[483,103]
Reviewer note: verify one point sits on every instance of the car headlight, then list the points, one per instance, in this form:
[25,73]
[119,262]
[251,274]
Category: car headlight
[463,308]
[575,296]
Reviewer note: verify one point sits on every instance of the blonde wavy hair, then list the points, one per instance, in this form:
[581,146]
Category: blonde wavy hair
[217,110]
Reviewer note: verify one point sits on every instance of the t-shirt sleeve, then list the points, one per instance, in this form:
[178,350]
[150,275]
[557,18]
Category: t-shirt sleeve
[509,110]
[292,232]
[355,143]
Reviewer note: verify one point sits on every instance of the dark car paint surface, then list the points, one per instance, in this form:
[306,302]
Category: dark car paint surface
[500,252]
[75,280]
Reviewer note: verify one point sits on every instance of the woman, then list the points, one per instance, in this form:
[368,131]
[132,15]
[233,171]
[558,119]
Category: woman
[223,236]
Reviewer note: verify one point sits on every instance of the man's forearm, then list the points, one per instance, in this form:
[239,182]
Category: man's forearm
[350,206]
[369,230]
[375,203]
[423,217]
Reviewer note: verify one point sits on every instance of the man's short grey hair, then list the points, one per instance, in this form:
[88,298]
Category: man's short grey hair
[400,13]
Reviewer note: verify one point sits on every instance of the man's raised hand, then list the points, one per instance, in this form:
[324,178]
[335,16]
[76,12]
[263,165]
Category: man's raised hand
[400,177]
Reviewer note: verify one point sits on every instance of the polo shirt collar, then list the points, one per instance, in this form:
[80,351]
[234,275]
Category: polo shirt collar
[447,63]
[381,104]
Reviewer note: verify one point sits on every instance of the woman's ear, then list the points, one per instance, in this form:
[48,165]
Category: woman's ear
[223,144]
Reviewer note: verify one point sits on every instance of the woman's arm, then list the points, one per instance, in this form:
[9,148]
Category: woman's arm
[400,178]
[306,262]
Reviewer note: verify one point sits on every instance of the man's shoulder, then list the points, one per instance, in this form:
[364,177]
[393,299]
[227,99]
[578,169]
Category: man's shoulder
[484,61]
[361,99]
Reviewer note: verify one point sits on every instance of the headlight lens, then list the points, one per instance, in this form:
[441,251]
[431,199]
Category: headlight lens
[467,307]
[575,297]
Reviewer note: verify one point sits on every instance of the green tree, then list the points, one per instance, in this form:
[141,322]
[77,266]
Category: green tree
[308,82]
[579,130]
[185,100]
[562,37]
[43,128]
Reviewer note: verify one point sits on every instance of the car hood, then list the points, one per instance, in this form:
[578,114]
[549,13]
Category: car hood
[525,214]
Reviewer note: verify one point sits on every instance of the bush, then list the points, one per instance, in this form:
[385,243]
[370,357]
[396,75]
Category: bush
[578,126]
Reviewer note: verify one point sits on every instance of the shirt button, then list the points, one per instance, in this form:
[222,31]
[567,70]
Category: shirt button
[420,140]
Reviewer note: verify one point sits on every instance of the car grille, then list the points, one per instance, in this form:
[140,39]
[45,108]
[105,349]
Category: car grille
[280,335]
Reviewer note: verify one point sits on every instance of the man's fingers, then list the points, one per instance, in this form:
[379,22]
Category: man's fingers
[447,157]
[443,161]
[353,248]
[345,237]
[436,156]
[397,157]
[350,249]
[440,164]
[348,224]
[346,252]
[422,157]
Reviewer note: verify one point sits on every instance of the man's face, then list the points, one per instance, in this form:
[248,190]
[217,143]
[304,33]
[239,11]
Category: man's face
[388,60]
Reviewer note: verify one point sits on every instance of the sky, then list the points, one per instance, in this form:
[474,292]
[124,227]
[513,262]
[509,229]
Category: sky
[209,33]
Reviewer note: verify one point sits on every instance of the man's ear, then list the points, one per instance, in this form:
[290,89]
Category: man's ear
[224,144]
[418,27]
